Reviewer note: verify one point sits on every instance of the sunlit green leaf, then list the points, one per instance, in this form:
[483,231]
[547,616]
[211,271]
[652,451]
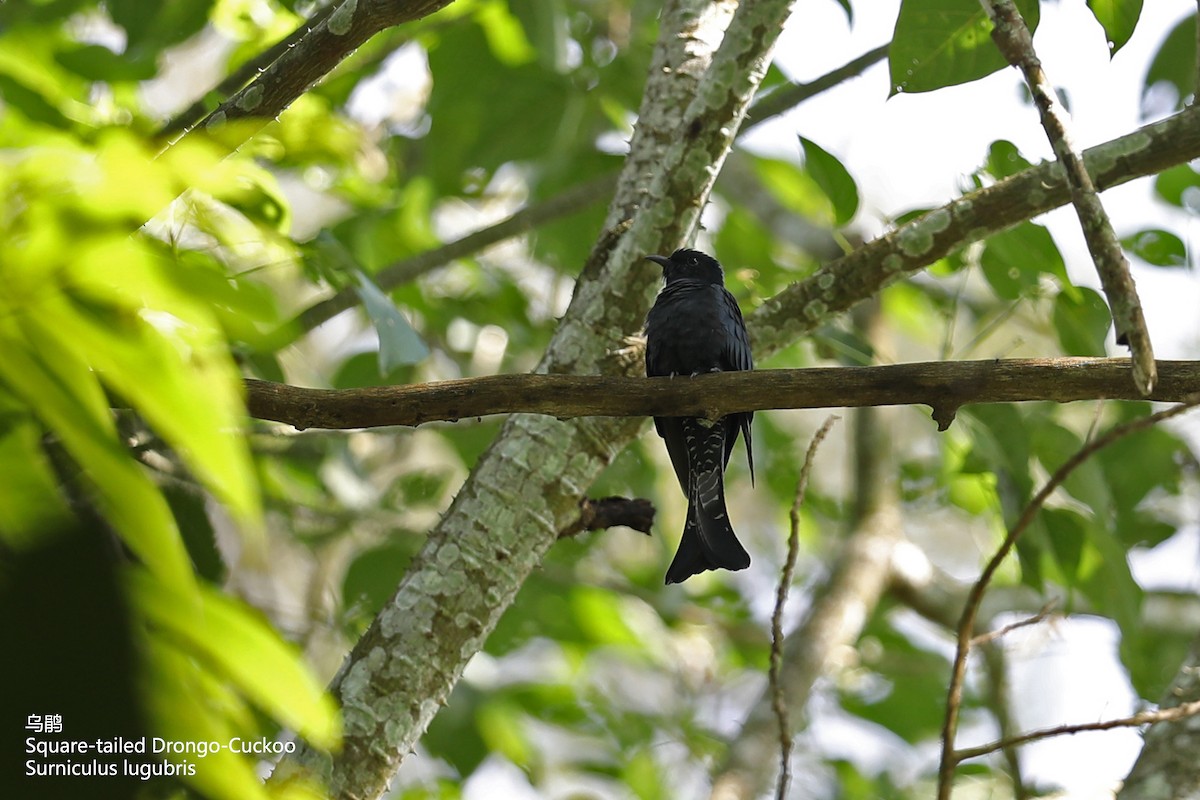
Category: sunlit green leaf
[68,399]
[235,643]
[501,725]
[186,704]
[1118,18]
[1004,159]
[30,502]
[505,36]
[833,178]
[940,43]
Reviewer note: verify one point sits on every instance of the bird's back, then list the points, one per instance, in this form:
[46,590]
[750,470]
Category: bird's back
[686,329]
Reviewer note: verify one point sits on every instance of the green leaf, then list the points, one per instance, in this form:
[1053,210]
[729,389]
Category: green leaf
[794,187]
[1082,320]
[475,134]
[166,360]
[833,178]
[186,704]
[1054,444]
[502,726]
[191,515]
[235,643]
[30,502]
[940,43]
[1157,247]
[399,344]
[98,63]
[1067,532]
[914,680]
[506,38]
[154,26]
[373,575]
[1015,260]
[1004,159]
[1111,586]
[1144,462]
[1179,186]
[1118,18]
[1174,65]
[743,241]
[18,95]
[598,612]
[67,397]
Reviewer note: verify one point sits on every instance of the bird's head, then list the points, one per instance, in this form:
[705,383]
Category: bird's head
[690,265]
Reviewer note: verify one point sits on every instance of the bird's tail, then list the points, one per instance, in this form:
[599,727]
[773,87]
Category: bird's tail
[708,538]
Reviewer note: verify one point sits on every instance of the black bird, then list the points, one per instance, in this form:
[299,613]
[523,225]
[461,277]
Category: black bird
[696,326]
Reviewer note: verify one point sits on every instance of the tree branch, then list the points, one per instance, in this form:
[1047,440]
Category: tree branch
[609,512]
[1136,720]
[187,119]
[1015,42]
[913,246]
[942,385]
[1167,766]
[779,703]
[326,41]
[840,608]
[569,202]
[966,624]
[401,272]
[710,57]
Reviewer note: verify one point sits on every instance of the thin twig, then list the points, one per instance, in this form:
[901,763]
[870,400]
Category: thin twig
[1141,718]
[966,624]
[991,636]
[1013,39]
[788,97]
[998,697]
[401,272]
[565,204]
[778,702]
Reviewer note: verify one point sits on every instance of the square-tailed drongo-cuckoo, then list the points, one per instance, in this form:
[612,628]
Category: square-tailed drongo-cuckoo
[696,326]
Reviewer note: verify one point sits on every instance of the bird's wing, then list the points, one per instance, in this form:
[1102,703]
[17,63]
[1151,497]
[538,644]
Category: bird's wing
[736,355]
[671,430]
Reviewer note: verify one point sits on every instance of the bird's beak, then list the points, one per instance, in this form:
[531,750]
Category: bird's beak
[662,261]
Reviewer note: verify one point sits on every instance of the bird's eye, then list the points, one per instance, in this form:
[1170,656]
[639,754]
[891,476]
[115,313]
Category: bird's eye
[693,262]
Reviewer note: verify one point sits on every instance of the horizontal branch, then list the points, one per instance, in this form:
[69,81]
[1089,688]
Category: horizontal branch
[942,385]
[1135,721]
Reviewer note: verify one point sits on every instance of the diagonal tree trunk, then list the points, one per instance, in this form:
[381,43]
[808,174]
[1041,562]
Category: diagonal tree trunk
[709,61]
[1167,768]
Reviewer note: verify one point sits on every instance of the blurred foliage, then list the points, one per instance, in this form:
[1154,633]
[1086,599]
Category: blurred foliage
[149,279]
